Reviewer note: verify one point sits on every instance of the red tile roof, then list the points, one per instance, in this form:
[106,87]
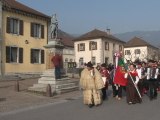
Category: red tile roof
[137,42]
[94,34]
[15,5]
[66,39]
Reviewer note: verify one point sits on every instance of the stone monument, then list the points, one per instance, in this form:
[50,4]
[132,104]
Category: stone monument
[54,46]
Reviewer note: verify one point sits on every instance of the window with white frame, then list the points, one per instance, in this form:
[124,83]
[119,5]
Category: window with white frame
[81,61]
[66,59]
[71,60]
[106,45]
[127,52]
[37,56]
[81,47]
[114,47]
[137,51]
[37,30]
[14,54]
[92,45]
[93,60]
[120,48]
[14,26]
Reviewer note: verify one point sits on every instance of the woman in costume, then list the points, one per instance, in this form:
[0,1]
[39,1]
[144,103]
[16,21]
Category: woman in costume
[132,91]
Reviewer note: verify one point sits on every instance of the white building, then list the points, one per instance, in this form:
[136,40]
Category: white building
[96,46]
[138,49]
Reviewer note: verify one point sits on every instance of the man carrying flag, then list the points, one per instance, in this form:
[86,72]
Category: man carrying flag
[119,80]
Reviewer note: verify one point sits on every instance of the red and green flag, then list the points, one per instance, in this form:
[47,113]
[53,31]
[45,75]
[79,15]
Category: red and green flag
[119,74]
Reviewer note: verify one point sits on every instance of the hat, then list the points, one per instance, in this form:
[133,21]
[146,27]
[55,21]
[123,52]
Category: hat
[151,61]
[139,63]
[89,64]
[103,65]
[85,64]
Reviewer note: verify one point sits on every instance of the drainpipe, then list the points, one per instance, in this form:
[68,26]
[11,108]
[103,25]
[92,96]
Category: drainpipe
[1,41]
[1,68]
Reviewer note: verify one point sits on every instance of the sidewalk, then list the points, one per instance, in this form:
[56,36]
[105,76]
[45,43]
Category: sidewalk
[11,100]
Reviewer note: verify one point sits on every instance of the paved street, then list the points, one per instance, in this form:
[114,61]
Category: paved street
[70,107]
[11,100]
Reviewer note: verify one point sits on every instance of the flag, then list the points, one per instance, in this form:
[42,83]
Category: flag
[119,73]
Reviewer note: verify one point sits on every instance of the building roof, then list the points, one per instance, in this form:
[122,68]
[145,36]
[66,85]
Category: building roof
[17,6]
[137,42]
[65,38]
[94,34]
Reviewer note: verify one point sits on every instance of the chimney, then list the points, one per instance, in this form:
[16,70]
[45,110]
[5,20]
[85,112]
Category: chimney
[108,31]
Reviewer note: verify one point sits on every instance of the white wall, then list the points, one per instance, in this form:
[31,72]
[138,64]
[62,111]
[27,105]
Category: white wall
[100,53]
[146,53]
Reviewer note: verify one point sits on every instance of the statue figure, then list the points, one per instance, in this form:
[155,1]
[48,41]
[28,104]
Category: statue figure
[54,27]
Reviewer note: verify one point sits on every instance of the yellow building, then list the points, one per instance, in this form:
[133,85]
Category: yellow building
[23,33]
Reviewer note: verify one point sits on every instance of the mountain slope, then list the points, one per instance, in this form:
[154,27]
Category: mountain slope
[152,37]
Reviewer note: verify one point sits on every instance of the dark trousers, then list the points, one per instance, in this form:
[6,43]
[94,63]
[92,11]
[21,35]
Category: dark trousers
[141,86]
[153,85]
[104,93]
[117,92]
[57,72]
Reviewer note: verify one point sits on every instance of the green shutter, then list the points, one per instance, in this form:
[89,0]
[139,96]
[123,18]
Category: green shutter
[21,27]
[42,56]
[8,25]
[42,31]
[32,30]
[20,55]
[32,57]
[8,52]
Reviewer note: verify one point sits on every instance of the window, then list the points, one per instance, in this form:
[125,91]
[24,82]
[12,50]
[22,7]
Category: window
[81,47]
[92,45]
[14,26]
[113,47]
[120,47]
[137,51]
[93,60]
[37,56]
[106,45]
[127,52]
[66,59]
[71,60]
[106,60]
[81,61]
[37,30]
[14,54]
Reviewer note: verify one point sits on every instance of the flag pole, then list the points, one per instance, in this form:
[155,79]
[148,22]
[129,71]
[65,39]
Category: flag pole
[134,83]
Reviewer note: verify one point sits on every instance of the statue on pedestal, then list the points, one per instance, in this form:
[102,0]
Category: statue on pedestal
[54,27]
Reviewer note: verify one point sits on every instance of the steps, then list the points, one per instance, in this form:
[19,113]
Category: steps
[58,86]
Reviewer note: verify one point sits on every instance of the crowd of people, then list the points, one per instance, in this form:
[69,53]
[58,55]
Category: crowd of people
[135,79]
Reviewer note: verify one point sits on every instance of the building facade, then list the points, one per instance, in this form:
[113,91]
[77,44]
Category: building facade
[96,46]
[139,49]
[24,32]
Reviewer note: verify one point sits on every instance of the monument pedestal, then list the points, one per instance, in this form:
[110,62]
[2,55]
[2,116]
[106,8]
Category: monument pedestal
[58,86]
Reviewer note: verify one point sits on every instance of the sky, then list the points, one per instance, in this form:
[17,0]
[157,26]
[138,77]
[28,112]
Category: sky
[82,16]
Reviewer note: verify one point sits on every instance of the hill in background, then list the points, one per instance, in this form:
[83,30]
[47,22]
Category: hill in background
[152,37]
